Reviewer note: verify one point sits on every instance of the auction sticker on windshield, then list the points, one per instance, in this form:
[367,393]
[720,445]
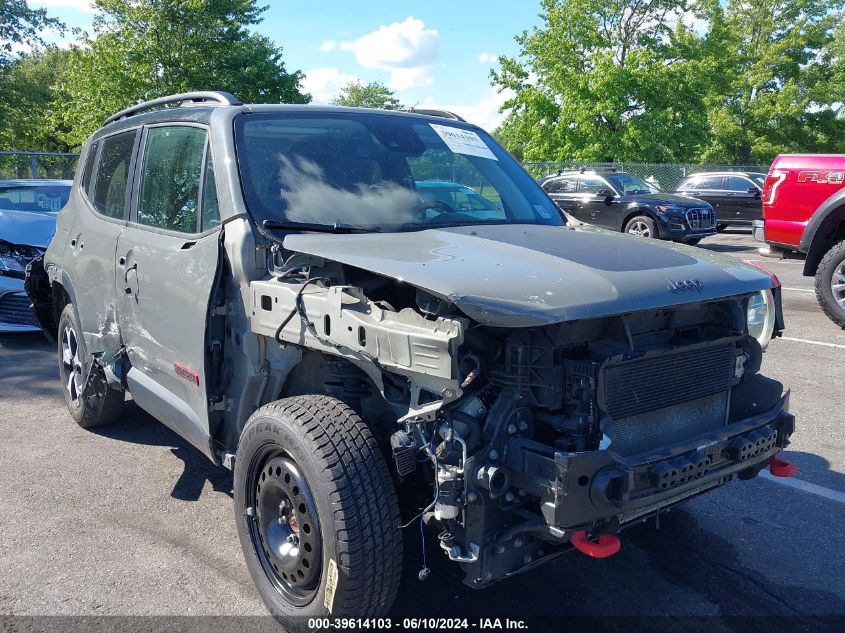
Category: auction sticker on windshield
[463,141]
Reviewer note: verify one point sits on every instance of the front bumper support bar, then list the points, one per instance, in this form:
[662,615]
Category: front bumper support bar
[590,489]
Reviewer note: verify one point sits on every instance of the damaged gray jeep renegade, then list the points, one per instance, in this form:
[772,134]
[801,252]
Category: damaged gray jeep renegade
[379,319]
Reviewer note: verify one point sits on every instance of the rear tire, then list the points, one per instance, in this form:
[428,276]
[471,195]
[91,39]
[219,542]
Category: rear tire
[98,404]
[309,473]
[830,284]
[641,226]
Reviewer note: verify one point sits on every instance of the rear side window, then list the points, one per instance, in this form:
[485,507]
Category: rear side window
[592,184]
[736,183]
[560,185]
[113,173]
[690,184]
[170,178]
[711,183]
[89,167]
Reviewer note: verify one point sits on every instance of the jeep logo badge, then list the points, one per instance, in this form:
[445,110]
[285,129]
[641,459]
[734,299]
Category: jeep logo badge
[683,285]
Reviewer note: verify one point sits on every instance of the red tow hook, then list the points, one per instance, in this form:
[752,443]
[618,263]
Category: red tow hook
[606,545]
[781,468]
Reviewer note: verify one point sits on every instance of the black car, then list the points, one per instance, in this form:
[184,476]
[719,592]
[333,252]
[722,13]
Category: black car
[736,196]
[622,202]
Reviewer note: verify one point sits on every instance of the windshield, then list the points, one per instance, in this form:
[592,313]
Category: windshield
[376,172]
[35,199]
[628,184]
[759,179]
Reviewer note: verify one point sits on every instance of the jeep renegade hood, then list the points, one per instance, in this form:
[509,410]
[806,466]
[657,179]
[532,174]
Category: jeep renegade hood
[524,275]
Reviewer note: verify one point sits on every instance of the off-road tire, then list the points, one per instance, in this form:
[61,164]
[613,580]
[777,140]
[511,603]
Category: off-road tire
[824,293]
[350,486]
[100,404]
[650,224]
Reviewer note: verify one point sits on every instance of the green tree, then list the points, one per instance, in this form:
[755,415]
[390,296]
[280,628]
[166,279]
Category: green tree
[143,49]
[782,88]
[606,80]
[372,95]
[33,101]
[21,26]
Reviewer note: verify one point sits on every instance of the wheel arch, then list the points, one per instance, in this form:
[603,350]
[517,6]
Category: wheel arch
[825,228]
[318,373]
[49,291]
[632,213]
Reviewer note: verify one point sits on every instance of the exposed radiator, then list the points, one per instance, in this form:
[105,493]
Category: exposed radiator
[646,384]
[667,398]
[664,427]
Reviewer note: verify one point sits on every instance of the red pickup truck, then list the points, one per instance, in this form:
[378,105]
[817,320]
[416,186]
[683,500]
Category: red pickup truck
[804,211]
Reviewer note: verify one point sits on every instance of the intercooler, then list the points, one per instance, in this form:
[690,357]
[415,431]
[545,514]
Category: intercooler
[661,399]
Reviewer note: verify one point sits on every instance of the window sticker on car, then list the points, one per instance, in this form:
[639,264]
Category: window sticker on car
[49,203]
[463,141]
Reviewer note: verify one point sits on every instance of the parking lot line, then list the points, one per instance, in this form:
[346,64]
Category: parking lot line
[805,486]
[799,289]
[803,340]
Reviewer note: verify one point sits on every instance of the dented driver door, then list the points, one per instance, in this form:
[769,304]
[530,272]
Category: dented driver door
[167,263]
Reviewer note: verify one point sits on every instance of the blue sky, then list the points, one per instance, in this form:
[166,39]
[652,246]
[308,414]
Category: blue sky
[436,53]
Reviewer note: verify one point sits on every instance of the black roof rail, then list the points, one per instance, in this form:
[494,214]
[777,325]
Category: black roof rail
[207,96]
[444,114]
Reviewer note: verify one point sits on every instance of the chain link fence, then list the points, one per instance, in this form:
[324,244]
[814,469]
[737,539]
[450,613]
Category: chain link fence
[14,165]
[663,175]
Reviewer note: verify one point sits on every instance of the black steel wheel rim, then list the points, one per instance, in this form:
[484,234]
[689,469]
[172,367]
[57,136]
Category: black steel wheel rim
[284,526]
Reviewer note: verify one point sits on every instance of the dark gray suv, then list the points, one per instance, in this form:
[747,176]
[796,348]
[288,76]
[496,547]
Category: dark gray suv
[270,283]
[619,201]
[736,196]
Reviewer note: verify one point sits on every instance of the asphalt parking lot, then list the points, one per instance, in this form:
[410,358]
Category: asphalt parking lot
[128,520]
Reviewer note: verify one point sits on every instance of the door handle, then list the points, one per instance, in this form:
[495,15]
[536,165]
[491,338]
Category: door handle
[134,266]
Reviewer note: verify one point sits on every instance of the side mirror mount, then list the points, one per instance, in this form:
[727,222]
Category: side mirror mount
[756,191]
[607,194]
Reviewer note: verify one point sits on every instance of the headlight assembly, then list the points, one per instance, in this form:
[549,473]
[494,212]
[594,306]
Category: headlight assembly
[760,316]
[14,258]
[662,208]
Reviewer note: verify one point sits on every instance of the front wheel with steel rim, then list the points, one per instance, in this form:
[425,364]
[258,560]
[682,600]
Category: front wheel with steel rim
[641,226]
[830,284]
[316,512]
[91,403]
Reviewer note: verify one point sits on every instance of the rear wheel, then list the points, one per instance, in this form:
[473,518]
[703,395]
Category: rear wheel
[316,512]
[641,226]
[830,284]
[91,403]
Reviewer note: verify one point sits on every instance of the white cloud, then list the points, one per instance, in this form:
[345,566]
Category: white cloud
[405,78]
[485,113]
[328,46]
[325,83]
[485,57]
[405,49]
[85,6]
